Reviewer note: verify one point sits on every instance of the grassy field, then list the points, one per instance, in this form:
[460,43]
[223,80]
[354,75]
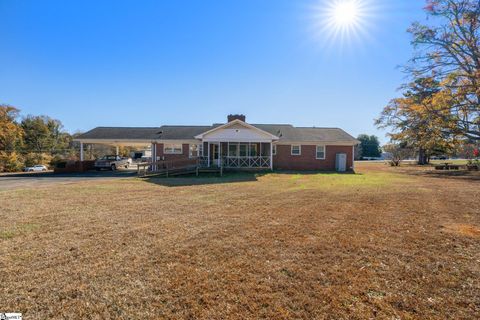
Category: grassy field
[388,243]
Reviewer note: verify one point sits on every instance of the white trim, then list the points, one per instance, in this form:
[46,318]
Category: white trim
[271,156]
[274,147]
[353,158]
[237,121]
[299,149]
[314,143]
[126,142]
[324,151]
[208,156]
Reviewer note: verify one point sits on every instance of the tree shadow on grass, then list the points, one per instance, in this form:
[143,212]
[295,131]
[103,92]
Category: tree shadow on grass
[228,177]
[204,179]
[450,174]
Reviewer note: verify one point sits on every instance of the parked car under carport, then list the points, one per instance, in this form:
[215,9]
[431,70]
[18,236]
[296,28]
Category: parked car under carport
[111,162]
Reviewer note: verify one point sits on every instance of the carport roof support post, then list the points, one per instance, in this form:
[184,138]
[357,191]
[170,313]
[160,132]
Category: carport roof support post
[81,151]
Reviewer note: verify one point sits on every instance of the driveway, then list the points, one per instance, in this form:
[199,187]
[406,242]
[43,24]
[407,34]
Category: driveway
[40,179]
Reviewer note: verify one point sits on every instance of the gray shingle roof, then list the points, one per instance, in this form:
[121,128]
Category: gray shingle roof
[121,133]
[285,132]
[182,132]
[291,133]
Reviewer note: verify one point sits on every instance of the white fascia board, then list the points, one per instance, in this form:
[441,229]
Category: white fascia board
[237,121]
[320,143]
[115,141]
[237,140]
[182,141]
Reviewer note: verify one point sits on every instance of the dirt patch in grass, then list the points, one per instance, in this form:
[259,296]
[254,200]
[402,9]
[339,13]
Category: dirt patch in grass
[464,229]
[385,244]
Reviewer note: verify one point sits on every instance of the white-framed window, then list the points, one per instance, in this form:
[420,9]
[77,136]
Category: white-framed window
[200,150]
[296,150]
[320,153]
[274,150]
[193,151]
[172,148]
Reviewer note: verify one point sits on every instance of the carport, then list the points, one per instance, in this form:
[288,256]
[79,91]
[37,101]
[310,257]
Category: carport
[119,137]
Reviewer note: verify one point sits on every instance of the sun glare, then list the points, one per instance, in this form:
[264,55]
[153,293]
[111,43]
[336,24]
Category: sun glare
[342,22]
[345,13]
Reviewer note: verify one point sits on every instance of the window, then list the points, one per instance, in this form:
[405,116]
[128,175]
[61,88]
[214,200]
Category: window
[172,149]
[296,150]
[274,150]
[193,151]
[320,152]
[200,150]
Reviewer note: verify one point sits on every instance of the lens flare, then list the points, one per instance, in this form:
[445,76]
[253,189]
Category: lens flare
[345,13]
[342,22]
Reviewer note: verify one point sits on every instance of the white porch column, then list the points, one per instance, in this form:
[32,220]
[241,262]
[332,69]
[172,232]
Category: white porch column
[116,150]
[219,154]
[271,155]
[353,158]
[208,155]
[81,151]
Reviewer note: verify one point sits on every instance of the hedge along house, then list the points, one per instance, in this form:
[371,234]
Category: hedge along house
[238,145]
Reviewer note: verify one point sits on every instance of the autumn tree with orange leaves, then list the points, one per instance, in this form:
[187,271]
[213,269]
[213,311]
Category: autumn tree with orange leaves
[414,122]
[441,105]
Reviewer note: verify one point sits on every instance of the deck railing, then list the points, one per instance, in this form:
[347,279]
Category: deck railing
[246,162]
[166,165]
[230,162]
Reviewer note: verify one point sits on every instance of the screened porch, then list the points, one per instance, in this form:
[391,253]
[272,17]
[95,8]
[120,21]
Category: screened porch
[238,155]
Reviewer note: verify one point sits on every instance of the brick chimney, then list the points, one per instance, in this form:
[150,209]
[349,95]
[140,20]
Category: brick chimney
[232,117]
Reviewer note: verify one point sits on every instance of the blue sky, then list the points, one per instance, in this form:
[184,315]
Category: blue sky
[148,63]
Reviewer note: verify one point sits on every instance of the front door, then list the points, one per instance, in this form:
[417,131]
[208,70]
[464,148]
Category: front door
[215,155]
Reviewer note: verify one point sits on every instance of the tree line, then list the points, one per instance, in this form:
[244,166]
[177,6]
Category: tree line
[438,109]
[30,140]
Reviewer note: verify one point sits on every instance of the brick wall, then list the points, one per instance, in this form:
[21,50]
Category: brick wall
[283,160]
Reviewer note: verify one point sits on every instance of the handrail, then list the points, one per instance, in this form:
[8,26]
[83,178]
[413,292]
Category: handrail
[166,165]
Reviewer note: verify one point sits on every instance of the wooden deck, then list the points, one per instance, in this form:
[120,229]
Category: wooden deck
[144,170]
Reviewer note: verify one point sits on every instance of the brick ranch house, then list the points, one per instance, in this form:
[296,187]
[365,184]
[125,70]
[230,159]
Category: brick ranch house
[238,145]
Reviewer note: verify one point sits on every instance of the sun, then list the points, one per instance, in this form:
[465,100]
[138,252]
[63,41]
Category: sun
[345,13]
[342,22]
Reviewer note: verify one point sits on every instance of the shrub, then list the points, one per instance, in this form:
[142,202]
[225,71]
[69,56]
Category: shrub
[32,159]
[57,161]
[10,162]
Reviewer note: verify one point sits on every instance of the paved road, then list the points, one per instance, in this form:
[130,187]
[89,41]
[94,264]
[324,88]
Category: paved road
[32,180]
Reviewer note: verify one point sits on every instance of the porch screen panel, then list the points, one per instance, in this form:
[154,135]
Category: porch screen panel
[243,149]
[233,150]
[224,149]
[253,150]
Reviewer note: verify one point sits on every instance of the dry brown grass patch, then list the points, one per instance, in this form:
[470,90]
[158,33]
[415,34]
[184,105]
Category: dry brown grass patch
[276,246]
